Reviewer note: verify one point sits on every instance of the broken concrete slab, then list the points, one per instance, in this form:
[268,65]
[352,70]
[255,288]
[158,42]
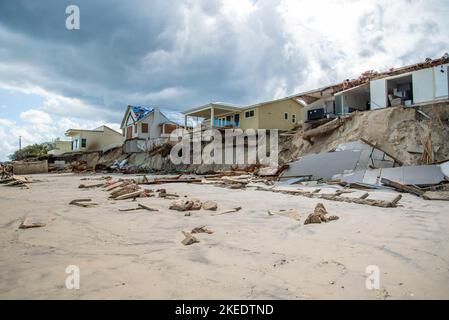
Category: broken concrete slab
[30,167]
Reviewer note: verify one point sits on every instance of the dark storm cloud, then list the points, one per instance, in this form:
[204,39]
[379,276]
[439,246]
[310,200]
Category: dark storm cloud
[141,52]
[171,53]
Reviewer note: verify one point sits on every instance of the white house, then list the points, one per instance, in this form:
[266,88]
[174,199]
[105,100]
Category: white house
[411,88]
[145,127]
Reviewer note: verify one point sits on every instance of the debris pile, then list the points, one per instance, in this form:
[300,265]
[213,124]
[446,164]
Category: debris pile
[319,215]
[16,181]
[192,204]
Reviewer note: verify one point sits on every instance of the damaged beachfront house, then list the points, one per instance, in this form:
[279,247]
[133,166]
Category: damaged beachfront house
[146,127]
[413,85]
[283,114]
[100,139]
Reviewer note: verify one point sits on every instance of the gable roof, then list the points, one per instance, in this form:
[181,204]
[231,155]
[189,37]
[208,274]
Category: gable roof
[140,113]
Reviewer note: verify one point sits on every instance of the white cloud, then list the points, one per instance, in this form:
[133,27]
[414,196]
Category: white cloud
[35,117]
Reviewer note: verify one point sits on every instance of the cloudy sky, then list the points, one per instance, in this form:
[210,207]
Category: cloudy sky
[181,54]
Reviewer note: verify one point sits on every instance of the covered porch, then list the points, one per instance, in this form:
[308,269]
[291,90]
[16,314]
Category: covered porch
[350,100]
[215,115]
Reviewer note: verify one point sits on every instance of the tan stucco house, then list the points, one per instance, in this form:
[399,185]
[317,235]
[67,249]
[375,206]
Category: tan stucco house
[282,114]
[100,139]
[60,147]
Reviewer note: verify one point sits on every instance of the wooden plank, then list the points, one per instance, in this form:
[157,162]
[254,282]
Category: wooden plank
[374,145]
[134,194]
[402,187]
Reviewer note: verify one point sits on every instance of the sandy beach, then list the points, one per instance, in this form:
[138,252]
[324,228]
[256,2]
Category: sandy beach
[249,255]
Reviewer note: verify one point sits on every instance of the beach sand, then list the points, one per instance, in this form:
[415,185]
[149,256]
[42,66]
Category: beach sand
[250,255]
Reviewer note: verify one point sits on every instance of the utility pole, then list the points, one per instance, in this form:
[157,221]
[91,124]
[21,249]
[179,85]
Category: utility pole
[20,143]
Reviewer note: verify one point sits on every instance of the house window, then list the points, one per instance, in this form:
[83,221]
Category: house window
[249,114]
[293,118]
[83,143]
[144,127]
[135,128]
[285,115]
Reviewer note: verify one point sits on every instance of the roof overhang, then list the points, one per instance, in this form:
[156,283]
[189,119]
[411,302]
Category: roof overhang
[205,111]
[363,87]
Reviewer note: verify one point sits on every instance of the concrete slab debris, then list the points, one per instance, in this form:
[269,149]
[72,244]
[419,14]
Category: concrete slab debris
[30,167]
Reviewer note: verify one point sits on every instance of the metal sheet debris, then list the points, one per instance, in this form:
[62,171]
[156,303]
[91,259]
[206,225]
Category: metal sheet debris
[408,175]
[324,165]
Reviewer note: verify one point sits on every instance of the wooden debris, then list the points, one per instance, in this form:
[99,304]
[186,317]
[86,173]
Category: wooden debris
[402,187]
[80,203]
[333,197]
[31,223]
[115,185]
[201,229]
[319,215]
[88,186]
[436,195]
[130,209]
[325,128]
[427,156]
[229,211]
[364,196]
[189,239]
[130,195]
[146,208]
[139,207]
[374,145]
[123,190]
[16,181]
[161,181]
